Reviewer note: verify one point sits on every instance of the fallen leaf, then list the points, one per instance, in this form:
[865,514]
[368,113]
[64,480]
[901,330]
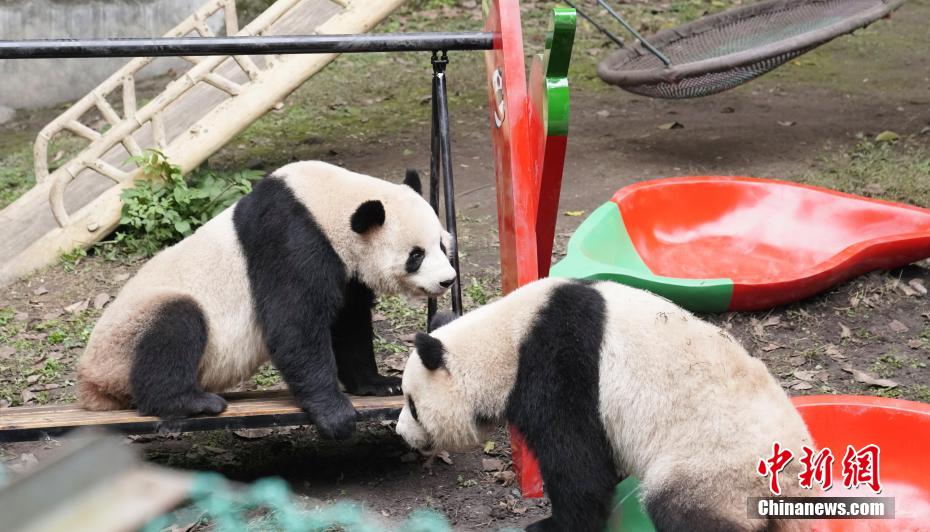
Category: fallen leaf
[492,464]
[786,123]
[32,379]
[574,213]
[488,446]
[519,510]
[52,315]
[771,347]
[797,360]
[101,300]
[905,289]
[897,326]
[396,362]
[804,375]
[913,344]
[27,396]
[505,477]
[79,306]
[802,386]
[887,136]
[444,456]
[844,331]
[771,320]
[831,350]
[603,113]
[854,301]
[40,291]
[672,125]
[865,378]
[253,434]
[119,278]
[6,352]
[918,285]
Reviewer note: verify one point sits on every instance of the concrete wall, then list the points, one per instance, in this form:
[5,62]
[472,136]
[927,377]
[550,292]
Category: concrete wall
[43,82]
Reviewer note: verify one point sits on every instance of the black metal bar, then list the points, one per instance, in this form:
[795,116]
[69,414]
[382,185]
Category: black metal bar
[646,44]
[617,40]
[448,189]
[433,184]
[290,44]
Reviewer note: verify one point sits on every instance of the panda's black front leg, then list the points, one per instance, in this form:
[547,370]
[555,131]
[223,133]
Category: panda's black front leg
[353,343]
[302,352]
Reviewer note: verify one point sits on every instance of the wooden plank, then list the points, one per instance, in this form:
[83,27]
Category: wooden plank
[245,410]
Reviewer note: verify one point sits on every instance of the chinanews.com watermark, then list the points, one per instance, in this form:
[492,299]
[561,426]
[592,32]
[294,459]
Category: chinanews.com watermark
[821,507]
[861,470]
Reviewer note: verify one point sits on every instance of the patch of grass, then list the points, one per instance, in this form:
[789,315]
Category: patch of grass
[887,365]
[477,292]
[69,260]
[896,171]
[267,376]
[919,392]
[383,345]
[400,313]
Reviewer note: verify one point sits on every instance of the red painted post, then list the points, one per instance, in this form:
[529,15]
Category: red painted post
[529,139]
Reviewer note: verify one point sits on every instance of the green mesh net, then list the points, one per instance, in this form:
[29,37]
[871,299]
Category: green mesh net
[228,510]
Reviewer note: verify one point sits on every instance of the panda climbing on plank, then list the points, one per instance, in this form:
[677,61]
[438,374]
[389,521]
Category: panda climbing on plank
[289,273]
[605,381]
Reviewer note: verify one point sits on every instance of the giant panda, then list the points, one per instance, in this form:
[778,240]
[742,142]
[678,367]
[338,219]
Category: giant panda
[604,381]
[289,274]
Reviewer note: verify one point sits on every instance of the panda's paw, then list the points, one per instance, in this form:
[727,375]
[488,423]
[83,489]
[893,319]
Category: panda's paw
[380,386]
[207,404]
[184,406]
[335,421]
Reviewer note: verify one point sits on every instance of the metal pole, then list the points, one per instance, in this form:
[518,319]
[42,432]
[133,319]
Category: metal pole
[282,44]
[433,181]
[646,44]
[445,152]
[605,31]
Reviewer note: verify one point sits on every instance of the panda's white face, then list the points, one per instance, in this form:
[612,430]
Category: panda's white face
[435,417]
[406,252]
[437,413]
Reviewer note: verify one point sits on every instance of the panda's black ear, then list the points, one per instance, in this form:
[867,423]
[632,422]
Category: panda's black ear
[431,351]
[367,215]
[443,317]
[412,180]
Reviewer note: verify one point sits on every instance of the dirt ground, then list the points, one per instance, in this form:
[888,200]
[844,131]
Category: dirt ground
[814,121]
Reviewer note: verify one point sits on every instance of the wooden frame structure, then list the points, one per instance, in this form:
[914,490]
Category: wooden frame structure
[78,203]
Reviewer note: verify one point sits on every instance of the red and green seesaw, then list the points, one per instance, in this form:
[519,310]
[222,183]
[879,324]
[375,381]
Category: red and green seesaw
[709,243]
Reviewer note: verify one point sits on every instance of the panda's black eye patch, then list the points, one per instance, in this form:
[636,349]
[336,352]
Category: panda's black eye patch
[415,259]
[413,409]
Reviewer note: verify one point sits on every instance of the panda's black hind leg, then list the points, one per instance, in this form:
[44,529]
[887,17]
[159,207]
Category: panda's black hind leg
[353,345]
[164,370]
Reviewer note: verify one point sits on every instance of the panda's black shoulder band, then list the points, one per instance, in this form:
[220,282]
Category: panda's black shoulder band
[431,351]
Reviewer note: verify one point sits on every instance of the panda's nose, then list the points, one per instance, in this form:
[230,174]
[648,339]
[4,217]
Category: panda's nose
[447,283]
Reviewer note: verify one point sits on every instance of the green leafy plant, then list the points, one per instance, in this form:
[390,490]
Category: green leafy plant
[166,207]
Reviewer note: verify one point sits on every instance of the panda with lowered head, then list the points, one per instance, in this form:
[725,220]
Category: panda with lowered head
[604,381]
[288,274]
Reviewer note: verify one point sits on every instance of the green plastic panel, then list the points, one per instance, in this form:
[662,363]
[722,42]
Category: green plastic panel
[601,249]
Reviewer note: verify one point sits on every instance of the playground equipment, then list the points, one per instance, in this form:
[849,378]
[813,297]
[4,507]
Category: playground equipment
[710,243]
[78,203]
[901,429]
[727,49]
